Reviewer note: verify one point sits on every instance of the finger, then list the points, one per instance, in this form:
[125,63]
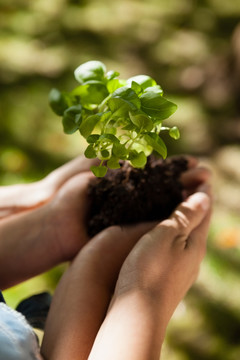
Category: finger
[190,213]
[191,160]
[18,198]
[195,176]
[207,189]
[199,235]
[187,216]
[62,174]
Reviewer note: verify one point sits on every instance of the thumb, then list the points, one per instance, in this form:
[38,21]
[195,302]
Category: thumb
[190,213]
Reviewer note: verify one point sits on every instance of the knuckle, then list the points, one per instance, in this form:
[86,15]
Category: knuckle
[174,228]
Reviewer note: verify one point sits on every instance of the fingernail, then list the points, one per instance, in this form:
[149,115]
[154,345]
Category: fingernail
[200,199]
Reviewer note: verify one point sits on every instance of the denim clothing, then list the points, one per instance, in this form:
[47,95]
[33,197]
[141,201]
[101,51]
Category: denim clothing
[17,339]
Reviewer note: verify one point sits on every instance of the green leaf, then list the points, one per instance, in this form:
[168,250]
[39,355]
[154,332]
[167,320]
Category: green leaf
[72,118]
[113,85]
[106,116]
[129,127]
[136,87]
[154,105]
[122,101]
[89,124]
[120,151]
[156,143]
[105,153]
[110,129]
[143,80]
[91,93]
[91,70]
[90,152]
[137,160]
[156,89]
[99,171]
[141,120]
[128,95]
[113,163]
[174,133]
[92,139]
[111,74]
[57,101]
[110,138]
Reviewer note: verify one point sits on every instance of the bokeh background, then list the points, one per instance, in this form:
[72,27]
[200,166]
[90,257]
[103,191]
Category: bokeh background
[192,48]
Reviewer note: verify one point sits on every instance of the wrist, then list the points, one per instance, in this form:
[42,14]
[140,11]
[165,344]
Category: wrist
[157,301]
[155,307]
[133,327]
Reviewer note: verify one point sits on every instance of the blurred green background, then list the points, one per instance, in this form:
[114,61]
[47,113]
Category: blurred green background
[192,48]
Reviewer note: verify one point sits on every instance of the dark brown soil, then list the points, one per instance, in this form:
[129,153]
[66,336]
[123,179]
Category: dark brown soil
[128,195]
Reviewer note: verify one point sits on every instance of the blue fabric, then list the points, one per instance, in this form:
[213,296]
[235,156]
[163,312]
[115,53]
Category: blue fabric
[17,339]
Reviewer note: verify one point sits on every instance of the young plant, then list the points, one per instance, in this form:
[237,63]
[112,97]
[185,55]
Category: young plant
[120,119]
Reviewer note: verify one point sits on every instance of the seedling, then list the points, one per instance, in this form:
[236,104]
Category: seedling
[120,119]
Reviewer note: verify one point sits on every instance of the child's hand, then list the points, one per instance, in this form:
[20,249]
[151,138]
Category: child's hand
[165,262]
[154,278]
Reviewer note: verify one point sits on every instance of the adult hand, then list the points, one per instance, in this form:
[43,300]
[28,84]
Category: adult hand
[40,237]
[20,197]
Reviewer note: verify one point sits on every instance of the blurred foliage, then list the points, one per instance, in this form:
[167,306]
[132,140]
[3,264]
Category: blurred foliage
[192,48]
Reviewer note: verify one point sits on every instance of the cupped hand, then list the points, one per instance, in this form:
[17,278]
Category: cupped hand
[21,197]
[194,176]
[66,216]
[165,262]
[88,285]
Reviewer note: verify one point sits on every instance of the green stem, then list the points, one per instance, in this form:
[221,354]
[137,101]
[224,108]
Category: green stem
[101,106]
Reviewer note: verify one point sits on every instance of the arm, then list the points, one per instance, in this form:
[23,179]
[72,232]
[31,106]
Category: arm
[33,241]
[154,278]
[82,297]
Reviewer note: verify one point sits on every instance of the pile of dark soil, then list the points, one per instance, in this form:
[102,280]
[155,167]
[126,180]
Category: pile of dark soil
[129,195]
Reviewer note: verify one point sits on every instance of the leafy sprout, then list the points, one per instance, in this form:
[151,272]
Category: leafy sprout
[120,119]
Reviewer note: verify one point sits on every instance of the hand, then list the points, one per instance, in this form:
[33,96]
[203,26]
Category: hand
[37,237]
[87,288]
[153,279]
[169,256]
[69,207]
[83,295]
[66,223]
[17,198]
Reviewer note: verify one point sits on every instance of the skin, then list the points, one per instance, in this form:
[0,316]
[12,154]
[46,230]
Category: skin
[39,232]
[47,232]
[51,228]
[17,198]
[153,280]
[142,264]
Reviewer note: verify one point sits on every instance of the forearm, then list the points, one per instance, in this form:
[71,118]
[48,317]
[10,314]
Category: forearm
[84,293]
[134,329]
[27,246]
[77,311]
